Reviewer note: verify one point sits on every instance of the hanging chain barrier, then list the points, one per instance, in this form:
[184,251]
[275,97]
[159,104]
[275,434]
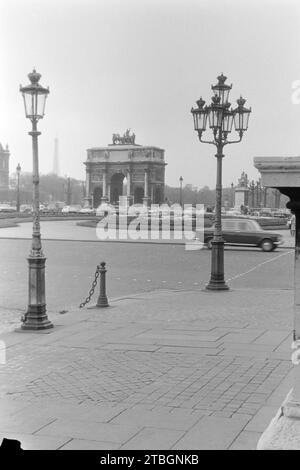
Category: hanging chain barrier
[102,299]
[92,290]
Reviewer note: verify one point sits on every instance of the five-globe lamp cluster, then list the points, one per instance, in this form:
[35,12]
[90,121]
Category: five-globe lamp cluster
[219,113]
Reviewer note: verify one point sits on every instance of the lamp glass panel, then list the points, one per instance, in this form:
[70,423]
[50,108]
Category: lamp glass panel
[195,121]
[227,122]
[241,119]
[40,105]
[245,121]
[200,118]
[29,104]
[224,94]
[215,118]
[34,103]
[237,121]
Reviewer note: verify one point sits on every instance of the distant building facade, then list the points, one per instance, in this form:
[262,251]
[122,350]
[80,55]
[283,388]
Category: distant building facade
[4,167]
[141,167]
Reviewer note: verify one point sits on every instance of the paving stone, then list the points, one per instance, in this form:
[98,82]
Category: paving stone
[212,433]
[129,347]
[243,336]
[89,430]
[249,348]
[24,423]
[247,440]
[153,438]
[222,414]
[262,419]
[285,345]
[81,444]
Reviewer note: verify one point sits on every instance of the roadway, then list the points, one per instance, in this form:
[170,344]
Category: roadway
[132,268]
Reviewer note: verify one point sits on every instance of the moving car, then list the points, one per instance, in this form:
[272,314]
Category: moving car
[245,232]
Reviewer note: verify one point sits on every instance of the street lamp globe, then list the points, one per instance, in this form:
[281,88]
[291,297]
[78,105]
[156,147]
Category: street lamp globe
[215,113]
[221,89]
[241,115]
[200,116]
[34,96]
[227,120]
[18,169]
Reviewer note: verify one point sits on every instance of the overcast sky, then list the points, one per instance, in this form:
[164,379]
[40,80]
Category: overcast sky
[118,64]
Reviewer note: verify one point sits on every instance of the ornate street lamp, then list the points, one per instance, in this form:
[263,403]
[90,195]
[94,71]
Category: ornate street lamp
[220,117]
[34,96]
[180,195]
[18,171]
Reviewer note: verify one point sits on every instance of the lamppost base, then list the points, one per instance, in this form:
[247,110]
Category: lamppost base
[217,285]
[102,302]
[217,281]
[36,317]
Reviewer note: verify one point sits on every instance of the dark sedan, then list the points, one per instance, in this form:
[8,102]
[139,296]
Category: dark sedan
[246,232]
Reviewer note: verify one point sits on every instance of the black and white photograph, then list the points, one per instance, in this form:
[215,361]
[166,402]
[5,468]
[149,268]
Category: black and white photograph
[149,228]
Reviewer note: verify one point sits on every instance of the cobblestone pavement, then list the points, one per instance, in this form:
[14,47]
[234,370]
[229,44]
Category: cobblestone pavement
[153,371]
[218,385]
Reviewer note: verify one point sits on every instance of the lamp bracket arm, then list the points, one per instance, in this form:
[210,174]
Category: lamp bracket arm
[233,141]
[207,141]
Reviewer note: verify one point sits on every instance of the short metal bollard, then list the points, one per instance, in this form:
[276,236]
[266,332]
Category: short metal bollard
[102,299]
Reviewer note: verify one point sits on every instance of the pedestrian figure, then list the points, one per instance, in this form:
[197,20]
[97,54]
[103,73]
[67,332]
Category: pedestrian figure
[293,225]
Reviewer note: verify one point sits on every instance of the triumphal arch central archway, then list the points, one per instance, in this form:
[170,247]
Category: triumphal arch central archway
[125,171]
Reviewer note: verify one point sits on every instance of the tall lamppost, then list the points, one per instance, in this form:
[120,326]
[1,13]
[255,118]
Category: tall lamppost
[258,194]
[18,170]
[252,189]
[220,117]
[68,191]
[34,96]
[265,196]
[180,193]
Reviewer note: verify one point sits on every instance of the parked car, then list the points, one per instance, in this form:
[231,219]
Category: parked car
[26,208]
[104,209]
[244,232]
[233,212]
[50,209]
[75,209]
[7,208]
[281,215]
[88,211]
